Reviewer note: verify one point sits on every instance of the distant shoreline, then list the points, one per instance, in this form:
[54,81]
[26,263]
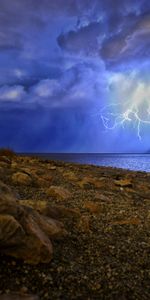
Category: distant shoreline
[135,162]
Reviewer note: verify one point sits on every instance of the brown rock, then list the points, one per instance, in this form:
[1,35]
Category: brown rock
[63,213]
[54,211]
[132,221]
[47,178]
[11,232]
[39,171]
[38,205]
[84,224]
[5,189]
[5,159]
[43,181]
[87,181]
[48,224]
[28,170]
[1,169]
[38,175]
[58,192]
[37,246]
[123,183]
[26,230]
[8,206]
[53,168]
[21,178]
[14,165]
[70,176]
[21,230]
[93,207]
[3,164]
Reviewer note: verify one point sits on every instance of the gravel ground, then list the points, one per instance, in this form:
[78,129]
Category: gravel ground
[110,257]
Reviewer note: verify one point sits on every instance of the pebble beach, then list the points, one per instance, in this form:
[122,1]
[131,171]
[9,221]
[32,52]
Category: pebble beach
[106,214]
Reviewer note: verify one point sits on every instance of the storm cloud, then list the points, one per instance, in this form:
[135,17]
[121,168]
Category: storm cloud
[58,61]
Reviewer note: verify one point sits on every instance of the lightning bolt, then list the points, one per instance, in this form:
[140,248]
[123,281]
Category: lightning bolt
[135,111]
[112,120]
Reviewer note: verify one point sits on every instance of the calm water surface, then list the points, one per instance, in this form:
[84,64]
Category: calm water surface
[136,162]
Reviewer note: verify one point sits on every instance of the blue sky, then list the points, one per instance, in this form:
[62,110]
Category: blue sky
[75,75]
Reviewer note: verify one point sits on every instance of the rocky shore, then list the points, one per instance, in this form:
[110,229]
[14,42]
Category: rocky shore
[70,231]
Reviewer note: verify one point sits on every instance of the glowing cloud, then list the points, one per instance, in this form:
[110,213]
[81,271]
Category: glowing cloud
[14,93]
[130,104]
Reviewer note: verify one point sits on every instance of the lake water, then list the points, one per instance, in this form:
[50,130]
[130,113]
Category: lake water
[136,162]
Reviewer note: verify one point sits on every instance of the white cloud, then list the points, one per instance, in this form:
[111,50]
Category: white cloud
[19,73]
[130,95]
[12,93]
[46,88]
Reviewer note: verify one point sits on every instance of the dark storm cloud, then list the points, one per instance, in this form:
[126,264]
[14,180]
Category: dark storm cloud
[121,30]
[56,59]
[94,25]
[130,43]
[67,7]
[31,31]
[85,39]
[124,7]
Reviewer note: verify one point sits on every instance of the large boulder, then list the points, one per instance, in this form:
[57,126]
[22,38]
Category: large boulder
[24,232]
[44,180]
[58,192]
[59,212]
[21,178]
[5,159]
[11,232]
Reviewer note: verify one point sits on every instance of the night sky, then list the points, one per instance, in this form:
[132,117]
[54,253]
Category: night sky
[75,75]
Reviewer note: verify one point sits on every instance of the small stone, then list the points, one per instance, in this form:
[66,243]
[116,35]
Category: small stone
[84,224]
[24,290]
[87,181]
[59,269]
[132,221]
[17,281]
[93,207]
[46,295]
[70,176]
[52,168]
